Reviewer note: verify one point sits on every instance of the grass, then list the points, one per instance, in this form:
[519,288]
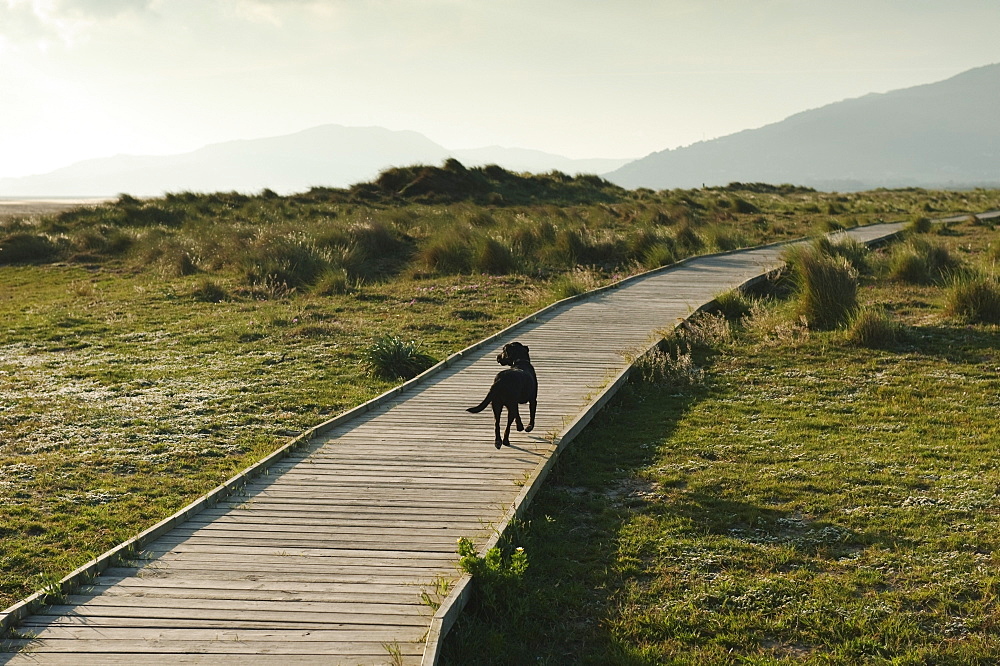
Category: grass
[151,348]
[391,357]
[811,502]
[827,286]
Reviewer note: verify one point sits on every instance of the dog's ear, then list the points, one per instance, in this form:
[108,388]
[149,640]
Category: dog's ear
[525,348]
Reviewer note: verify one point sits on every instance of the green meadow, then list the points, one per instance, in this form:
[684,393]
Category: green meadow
[770,491]
[149,349]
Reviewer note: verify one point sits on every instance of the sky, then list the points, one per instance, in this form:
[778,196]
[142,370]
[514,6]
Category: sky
[580,78]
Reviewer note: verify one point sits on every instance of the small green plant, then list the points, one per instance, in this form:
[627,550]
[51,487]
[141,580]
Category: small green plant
[395,653]
[974,299]
[391,357]
[874,328]
[498,576]
[436,593]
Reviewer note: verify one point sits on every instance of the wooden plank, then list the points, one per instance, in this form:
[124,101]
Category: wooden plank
[232,647]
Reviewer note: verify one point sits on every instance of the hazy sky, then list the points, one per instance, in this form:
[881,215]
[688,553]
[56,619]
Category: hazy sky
[581,78]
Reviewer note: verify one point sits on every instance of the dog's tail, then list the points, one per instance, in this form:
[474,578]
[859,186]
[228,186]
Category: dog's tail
[481,406]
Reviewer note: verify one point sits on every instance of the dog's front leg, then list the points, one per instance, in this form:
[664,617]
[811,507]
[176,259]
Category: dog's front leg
[517,416]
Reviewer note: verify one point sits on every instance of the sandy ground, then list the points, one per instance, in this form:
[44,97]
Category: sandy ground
[26,207]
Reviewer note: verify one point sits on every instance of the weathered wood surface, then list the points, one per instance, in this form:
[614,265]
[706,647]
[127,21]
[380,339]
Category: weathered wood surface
[326,557]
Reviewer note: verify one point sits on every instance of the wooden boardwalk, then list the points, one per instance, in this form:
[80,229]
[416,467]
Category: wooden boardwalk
[324,559]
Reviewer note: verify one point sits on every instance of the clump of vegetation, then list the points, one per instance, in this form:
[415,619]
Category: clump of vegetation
[498,577]
[25,247]
[918,261]
[734,304]
[209,291]
[974,299]
[874,328]
[854,252]
[751,524]
[920,225]
[391,357]
[332,282]
[827,287]
[670,364]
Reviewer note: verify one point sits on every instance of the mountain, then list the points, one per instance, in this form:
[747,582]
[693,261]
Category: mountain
[329,155]
[944,134]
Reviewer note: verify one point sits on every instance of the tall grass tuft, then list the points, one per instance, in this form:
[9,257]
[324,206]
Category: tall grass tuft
[874,328]
[332,282]
[920,262]
[24,248]
[492,256]
[920,225]
[974,299]
[391,357]
[447,253]
[854,252]
[827,287]
[566,286]
[209,291]
[734,304]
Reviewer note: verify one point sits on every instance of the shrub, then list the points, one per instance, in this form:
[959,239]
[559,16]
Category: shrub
[565,249]
[292,260]
[827,287]
[171,258]
[102,239]
[874,328]
[920,225]
[734,304]
[390,357]
[854,252]
[745,207]
[672,364]
[658,255]
[24,248]
[920,262]
[332,282]
[209,291]
[491,256]
[974,299]
[687,239]
[566,286]
[447,253]
[499,579]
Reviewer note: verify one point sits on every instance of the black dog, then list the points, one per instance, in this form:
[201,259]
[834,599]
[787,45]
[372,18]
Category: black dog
[517,385]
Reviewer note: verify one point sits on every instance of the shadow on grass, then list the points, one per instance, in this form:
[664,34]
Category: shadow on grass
[584,547]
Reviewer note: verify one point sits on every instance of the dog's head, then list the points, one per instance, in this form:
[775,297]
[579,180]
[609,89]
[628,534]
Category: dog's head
[512,352]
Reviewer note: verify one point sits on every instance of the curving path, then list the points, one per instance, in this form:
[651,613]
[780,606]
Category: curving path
[329,555]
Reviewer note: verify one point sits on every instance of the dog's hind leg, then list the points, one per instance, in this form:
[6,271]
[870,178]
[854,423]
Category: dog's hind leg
[511,415]
[497,410]
[531,419]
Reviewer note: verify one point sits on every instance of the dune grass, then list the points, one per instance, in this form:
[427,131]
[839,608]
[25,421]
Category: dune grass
[151,348]
[811,501]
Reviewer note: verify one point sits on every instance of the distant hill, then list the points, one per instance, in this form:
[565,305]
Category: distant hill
[328,156]
[944,134]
